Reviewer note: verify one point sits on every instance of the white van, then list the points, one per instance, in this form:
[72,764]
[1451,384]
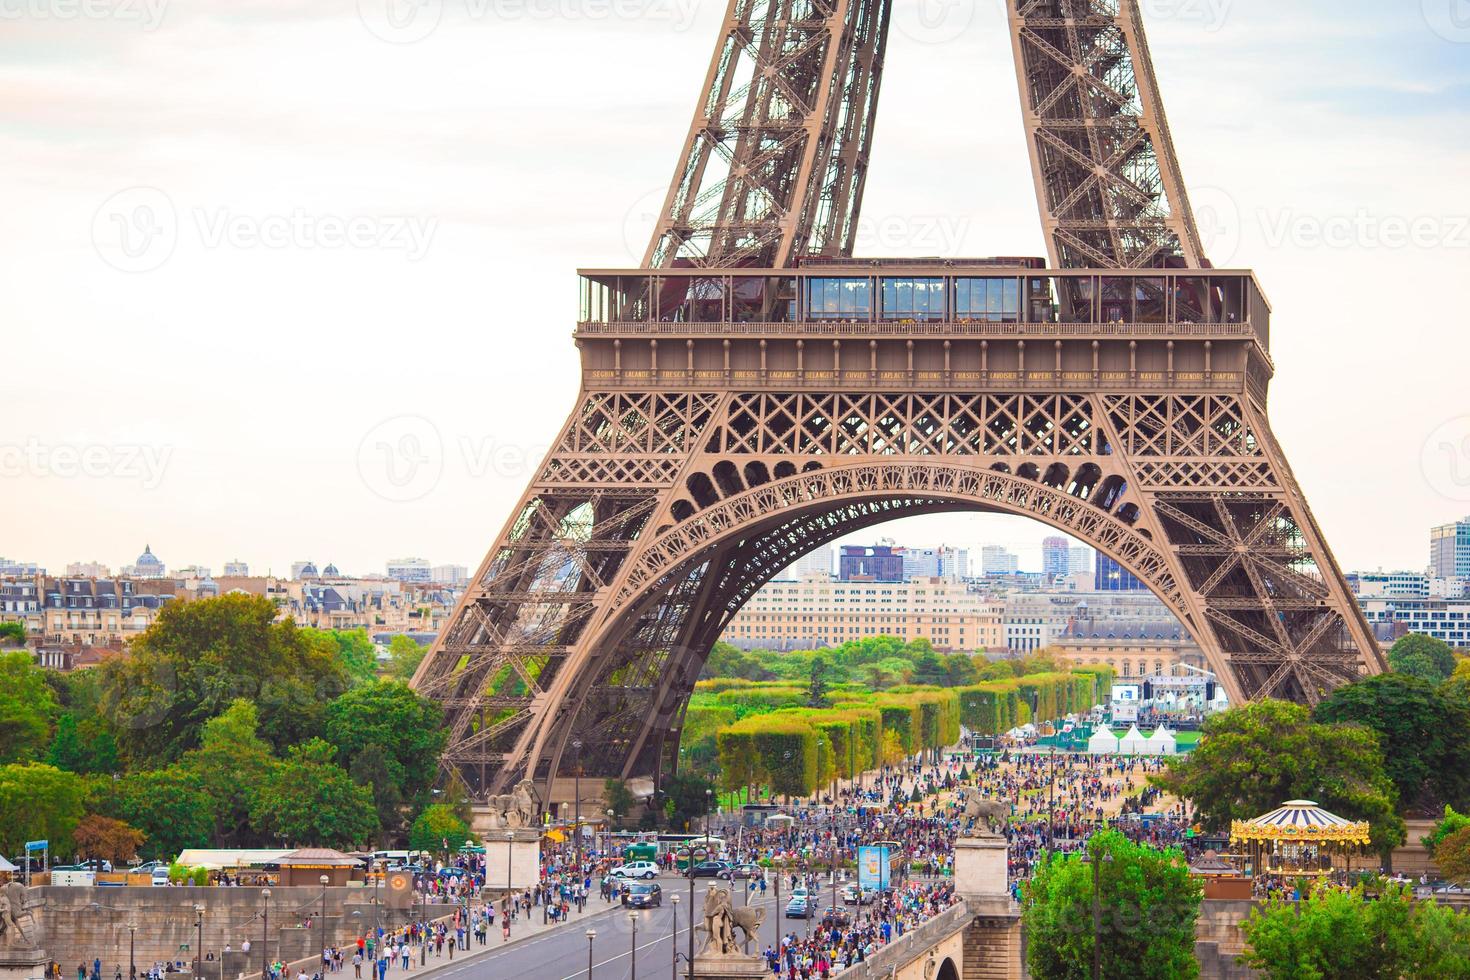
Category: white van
[160,876]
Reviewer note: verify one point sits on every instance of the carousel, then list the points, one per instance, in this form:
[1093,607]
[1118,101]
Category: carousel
[1298,838]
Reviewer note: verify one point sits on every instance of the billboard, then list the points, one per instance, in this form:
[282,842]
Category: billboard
[1126,693]
[872,868]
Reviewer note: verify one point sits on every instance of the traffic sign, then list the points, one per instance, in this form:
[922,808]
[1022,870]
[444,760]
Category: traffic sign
[37,845]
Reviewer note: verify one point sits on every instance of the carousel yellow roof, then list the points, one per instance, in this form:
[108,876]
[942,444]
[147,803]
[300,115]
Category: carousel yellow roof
[1300,820]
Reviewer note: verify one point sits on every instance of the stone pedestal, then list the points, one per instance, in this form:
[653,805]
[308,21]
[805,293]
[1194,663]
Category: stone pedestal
[22,964]
[981,869]
[522,852]
[730,966]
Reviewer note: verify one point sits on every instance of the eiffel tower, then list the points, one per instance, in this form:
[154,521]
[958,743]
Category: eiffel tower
[755,391]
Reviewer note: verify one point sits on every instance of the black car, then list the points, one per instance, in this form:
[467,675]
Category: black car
[644,895]
[709,869]
[745,871]
[835,917]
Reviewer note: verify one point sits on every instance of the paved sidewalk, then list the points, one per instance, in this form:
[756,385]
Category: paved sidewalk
[521,931]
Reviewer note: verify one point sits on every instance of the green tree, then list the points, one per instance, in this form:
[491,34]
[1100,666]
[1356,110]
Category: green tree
[403,724]
[816,691]
[687,797]
[998,670]
[1452,856]
[1425,735]
[199,656]
[439,830]
[311,801]
[372,768]
[1422,656]
[619,798]
[38,802]
[1149,905]
[405,655]
[83,747]
[960,670]
[1452,822]
[12,634]
[354,651]
[232,764]
[1337,935]
[170,806]
[1253,758]
[27,707]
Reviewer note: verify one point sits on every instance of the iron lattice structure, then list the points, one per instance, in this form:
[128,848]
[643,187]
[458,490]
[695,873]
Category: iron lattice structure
[754,392]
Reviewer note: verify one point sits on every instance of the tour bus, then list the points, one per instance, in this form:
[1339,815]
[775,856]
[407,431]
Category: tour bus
[704,848]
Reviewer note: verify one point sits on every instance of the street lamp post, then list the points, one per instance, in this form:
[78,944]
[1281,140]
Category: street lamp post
[509,840]
[325,881]
[674,946]
[265,932]
[132,961]
[709,803]
[577,807]
[199,936]
[591,935]
[633,946]
[1097,863]
[607,836]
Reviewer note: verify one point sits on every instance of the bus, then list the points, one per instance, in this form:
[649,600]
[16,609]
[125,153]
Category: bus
[703,848]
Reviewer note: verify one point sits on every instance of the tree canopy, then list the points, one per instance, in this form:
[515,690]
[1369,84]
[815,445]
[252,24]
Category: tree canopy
[310,800]
[27,708]
[1253,758]
[1422,656]
[1337,935]
[197,657]
[1424,735]
[37,802]
[405,726]
[1149,904]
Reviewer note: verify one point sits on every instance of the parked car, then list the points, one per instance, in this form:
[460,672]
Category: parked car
[644,895]
[747,870]
[853,895]
[709,869]
[646,870]
[160,876]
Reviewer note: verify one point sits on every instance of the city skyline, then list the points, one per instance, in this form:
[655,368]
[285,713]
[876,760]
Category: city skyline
[215,437]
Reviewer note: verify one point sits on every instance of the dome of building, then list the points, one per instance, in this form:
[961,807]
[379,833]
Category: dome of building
[330,570]
[148,564]
[309,571]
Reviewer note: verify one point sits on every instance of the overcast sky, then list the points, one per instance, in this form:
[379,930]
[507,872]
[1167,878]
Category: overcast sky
[259,256]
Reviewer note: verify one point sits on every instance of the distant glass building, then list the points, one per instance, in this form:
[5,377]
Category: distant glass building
[1449,550]
[879,563]
[1112,577]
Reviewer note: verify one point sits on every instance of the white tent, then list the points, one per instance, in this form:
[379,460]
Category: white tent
[1133,743]
[6,866]
[1162,742]
[1102,742]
